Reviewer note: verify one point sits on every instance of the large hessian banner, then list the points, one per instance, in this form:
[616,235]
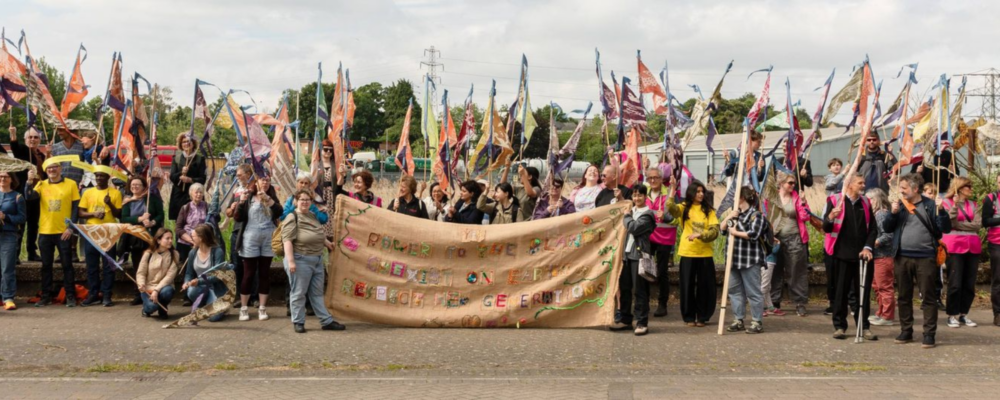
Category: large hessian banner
[389,268]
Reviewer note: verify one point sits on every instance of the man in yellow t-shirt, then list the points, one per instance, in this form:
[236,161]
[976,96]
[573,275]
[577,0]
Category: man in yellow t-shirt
[58,200]
[101,204]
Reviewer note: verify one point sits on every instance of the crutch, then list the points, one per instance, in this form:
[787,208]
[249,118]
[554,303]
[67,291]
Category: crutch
[859,315]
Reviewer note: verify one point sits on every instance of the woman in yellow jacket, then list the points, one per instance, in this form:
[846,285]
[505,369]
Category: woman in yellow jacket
[699,227]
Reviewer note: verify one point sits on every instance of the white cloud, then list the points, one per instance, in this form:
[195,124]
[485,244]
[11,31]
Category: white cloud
[266,46]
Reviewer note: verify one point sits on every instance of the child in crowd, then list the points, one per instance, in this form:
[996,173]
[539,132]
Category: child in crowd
[834,180]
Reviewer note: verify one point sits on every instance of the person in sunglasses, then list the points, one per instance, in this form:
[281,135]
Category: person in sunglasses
[876,166]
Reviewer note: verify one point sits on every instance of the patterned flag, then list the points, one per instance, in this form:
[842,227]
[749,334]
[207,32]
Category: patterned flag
[40,100]
[11,70]
[867,90]
[848,93]
[124,145]
[818,115]
[649,85]
[566,155]
[116,94]
[633,114]
[759,107]
[200,110]
[703,108]
[524,115]
[404,154]
[492,149]
[140,121]
[467,131]
[442,161]
[793,140]
[76,91]
[609,99]
[906,143]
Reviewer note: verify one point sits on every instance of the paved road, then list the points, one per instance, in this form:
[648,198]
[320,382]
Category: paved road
[56,352]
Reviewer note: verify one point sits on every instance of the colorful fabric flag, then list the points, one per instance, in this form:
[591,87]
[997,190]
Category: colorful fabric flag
[404,153]
[867,90]
[793,139]
[467,131]
[609,99]
[442,161]
[902,131]
[124,144]
[702,110]
[40,99]
[759,107]
[818,115]
[76,90]
[106,236]
[428,119]
[633,114]
[631,166]
[524,115]
[848,93]
[563,157]
[649,85]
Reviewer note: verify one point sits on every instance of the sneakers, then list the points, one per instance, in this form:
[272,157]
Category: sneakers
[89,301]
[828,311]
[755,327]
[928,342]
[244,314]
[9,305]
[904,338]
[800,310]
[778,312]
[44,301]
[736,326]
[661,310]
[641,330]
[868,335]
[767,310]
[953,322]
[968,322]
[334,326]
[879,321]
[839,334]
[262,314]
[300,328]
[699,324]
[70,303]
[620,326]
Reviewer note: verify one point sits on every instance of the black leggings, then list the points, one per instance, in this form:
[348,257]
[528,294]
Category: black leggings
[261,267]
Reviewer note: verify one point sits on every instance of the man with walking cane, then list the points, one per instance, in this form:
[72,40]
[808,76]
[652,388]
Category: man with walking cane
[850,236]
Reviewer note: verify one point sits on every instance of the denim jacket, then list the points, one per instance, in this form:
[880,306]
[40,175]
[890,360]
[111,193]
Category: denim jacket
[14,212]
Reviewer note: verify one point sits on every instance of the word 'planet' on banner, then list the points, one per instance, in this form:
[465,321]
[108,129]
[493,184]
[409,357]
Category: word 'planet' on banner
[392,269]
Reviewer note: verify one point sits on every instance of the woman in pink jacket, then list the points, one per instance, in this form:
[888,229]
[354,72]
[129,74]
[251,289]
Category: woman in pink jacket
[789,216]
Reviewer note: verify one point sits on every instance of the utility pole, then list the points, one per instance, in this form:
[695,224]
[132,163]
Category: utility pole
[432,65]
[989,92]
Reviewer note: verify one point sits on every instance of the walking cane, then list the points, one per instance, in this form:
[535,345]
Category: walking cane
[859,315]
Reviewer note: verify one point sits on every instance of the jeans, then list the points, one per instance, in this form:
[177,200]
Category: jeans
[698,291]
[165,295]
[47,245]
[962,270]
[96,281]
[744,286]
[630,282]
[927,275]
[194,291]
[8,260]
[308,281]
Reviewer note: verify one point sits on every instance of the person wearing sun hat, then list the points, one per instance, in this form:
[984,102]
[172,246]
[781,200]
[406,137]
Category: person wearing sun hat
[101,204]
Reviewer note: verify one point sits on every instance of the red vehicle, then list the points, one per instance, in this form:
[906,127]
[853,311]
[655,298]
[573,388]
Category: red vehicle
[166,155]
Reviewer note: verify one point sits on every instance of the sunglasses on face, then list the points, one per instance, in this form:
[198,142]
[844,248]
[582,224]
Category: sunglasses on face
[327,149]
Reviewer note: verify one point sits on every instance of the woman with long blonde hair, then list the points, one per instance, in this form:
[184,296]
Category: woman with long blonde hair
[964,248]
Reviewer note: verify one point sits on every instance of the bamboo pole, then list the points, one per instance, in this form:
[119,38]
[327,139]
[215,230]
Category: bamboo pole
[731,244]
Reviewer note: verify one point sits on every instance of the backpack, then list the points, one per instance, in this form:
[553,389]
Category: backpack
[766,238]
[277,246]
[514,211]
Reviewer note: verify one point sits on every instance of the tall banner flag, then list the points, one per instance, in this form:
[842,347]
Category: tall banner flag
[556,272]
[631,166]
[282,157]
[466,133]
[848,93]
[649,85]
[632,112]
[703,108]
[76,89]
[524,115]
[428,119]
[609,99]
[404,153]
[818,115]
[758,111]
[442,160]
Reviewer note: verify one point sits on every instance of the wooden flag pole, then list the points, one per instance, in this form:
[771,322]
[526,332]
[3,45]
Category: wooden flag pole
[731,244]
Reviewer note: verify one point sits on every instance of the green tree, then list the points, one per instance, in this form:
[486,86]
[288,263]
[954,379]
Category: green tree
[396,99]
[369,117]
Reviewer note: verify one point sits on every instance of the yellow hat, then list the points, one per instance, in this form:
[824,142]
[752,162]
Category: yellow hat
[104,169]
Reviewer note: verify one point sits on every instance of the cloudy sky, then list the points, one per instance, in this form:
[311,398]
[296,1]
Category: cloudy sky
[267,46]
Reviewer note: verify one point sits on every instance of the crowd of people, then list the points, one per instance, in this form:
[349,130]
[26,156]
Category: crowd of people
[901,244]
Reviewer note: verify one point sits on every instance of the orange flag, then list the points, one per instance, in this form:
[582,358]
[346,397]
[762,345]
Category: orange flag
[404,154]
[649,85]
[631,166]
[77,89]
